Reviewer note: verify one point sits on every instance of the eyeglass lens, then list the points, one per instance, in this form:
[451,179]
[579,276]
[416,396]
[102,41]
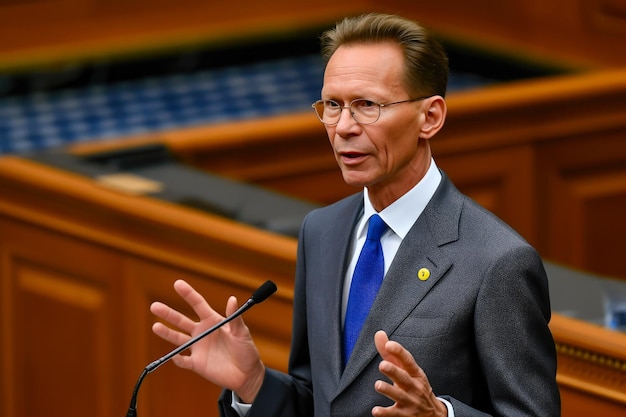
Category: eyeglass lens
[363,111]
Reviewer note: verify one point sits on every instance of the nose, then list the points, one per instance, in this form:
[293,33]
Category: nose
[350,114]
[347,125]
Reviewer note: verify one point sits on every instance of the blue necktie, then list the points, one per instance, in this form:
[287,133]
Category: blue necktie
[367,278]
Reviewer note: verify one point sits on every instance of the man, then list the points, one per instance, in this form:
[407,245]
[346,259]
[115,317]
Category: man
[459,326]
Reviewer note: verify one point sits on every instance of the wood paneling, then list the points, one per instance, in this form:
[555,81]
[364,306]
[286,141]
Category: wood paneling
[591,368]
[585,197]
[80,266]
[63,32]
[62,324]
[585,33]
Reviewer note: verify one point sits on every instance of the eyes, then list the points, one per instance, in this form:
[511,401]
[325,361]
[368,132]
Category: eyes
[362,110]
[358,103]
[365,103]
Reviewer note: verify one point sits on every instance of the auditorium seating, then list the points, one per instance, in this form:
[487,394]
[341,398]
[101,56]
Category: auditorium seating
[44,110]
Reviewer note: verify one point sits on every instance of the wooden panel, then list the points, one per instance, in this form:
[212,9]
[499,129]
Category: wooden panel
[61,323]
[96,29]
[607,16]
[585,198]
[583,33]
[501,180]
[586,33]
[591,368]
[585,403]
[90,261]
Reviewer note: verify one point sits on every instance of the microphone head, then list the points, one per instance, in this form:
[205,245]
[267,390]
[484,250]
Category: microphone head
[268,288]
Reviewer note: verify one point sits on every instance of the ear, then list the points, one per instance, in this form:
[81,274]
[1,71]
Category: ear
[435,110]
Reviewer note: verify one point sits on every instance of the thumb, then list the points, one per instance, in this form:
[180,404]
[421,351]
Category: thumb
[237,325]
[231,305]
[380,340]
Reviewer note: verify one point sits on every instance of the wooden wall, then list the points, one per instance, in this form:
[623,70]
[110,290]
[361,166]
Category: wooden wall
[52,33]
[586,33]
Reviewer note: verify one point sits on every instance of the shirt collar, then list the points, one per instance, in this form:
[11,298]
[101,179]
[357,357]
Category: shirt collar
[404,212]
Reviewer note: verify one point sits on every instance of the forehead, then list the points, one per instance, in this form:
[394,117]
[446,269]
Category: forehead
[365,67]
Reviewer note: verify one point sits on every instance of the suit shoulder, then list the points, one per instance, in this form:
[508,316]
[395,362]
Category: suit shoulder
[486,224]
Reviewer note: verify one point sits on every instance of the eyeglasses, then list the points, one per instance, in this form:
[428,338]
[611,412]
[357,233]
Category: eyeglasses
[363,111]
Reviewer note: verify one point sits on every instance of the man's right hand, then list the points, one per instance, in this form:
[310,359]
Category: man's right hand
[228,357]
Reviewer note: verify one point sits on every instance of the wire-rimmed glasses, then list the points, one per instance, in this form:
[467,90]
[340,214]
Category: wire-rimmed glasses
[363,111]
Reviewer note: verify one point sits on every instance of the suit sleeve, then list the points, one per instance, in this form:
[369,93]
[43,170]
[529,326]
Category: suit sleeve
[280,395]
[513,342]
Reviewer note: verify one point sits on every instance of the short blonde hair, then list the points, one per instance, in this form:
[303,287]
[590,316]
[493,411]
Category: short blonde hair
[425,59]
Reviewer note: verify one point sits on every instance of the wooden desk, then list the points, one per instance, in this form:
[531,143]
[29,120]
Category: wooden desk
[591,368]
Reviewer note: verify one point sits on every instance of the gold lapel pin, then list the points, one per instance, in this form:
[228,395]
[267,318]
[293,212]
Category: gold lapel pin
[423,274]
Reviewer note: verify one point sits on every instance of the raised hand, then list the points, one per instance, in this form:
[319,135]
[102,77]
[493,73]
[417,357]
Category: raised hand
[228,357]
[410,391]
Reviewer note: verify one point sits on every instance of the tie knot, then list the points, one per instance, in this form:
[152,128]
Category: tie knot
[376,228]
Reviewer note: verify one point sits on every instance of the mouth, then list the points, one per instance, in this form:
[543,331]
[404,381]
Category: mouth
[352,158]
[351,155]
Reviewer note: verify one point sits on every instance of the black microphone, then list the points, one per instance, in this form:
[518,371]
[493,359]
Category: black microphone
[261,294]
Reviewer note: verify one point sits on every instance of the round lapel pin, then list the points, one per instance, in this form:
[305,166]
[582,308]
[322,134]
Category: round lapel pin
[423,274]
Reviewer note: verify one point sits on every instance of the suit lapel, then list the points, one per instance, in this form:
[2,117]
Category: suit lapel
[402,289]
[335,247]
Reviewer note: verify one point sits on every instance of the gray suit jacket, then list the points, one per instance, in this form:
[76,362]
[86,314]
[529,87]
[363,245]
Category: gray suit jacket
[478,326]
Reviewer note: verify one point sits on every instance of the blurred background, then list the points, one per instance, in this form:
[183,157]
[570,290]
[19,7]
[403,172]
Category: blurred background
[143,141]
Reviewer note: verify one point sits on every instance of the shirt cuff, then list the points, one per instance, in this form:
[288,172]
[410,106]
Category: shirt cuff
[242,408]
[447,404]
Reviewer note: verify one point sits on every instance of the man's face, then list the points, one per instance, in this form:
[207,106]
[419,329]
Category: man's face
[388,154]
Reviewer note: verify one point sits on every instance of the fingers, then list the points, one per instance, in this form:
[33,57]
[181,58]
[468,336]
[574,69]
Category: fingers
[172,316]
[380,340]
[409,388]
[188,326]
[194,299]
[398,365]
[395,354]
[173,336]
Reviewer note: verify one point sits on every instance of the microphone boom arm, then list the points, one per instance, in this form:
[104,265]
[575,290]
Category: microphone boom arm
[157,363]
[264,291]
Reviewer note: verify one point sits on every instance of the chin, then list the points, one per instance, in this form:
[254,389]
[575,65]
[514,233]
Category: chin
[355,181]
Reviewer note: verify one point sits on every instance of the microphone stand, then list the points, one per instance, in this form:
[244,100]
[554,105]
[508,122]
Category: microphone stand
[264,291]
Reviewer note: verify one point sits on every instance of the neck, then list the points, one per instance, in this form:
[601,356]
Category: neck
[382,195]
